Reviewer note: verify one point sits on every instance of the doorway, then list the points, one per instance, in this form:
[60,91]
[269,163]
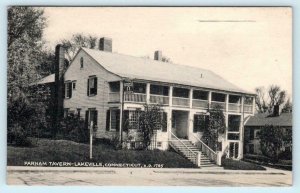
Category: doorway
[180,123]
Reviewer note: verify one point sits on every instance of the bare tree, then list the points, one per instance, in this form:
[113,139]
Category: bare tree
[265,102]
[77,41]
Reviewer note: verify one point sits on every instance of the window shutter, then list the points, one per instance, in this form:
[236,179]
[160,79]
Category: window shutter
[87,119]
[107,120]
[70,89]
[96,117]
[88,86]
[118,120]
[164,122]
[95,85]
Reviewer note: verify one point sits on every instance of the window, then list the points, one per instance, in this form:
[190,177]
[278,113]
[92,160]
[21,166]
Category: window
[74,85]
[200,123]
[234,122]
[133,119]
[81,62]
[92,86]
[92,116]
[251,148]
[202,95]
[251,130]
[159,144]
[68,90]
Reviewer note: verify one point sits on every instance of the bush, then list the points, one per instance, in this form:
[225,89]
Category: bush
[231,164]
[285,155]
[73,128]
[16,135]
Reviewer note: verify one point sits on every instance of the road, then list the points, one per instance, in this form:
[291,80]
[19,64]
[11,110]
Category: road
[147,177]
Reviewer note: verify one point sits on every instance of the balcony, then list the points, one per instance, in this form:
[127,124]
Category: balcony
[159,99]
[233,107]
[180,102]
[135,97]
[201,104]
[217,103]
[248,108]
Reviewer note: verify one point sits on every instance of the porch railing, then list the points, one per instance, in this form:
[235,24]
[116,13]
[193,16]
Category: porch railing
[159,99]
[248,108]
[232,107]
[222,104]
[211,154]
[202,104]
[135,97]
[179,101]
[114,97]
[193,156]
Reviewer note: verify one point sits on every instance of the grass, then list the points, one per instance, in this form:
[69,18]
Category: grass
[46,150]
[240,165]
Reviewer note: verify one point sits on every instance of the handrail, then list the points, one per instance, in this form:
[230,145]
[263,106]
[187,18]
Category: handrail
[182,143]
[204,144]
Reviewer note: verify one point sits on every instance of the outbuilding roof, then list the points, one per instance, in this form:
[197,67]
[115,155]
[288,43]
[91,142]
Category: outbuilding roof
[262,119]
[148,69]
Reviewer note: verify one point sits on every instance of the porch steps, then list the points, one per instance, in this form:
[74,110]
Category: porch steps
[189,151]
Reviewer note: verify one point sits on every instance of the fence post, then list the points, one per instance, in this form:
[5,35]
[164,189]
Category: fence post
[198,158]
[91,140]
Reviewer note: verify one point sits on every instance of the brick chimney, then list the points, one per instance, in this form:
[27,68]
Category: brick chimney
[60,67]
[158,55]
[276,110]
[105,44]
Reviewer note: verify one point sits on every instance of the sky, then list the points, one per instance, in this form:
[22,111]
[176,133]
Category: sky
[250,47]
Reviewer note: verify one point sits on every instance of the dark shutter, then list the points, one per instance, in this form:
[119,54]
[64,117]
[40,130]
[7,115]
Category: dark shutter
[125,120]
[107,120]
[118,120]
[164,122]
[95,117]
[87,119]
[95,85]
[70,89]
[88,86]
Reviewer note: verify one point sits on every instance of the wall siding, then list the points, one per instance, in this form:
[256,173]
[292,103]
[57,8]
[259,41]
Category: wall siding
[79,97]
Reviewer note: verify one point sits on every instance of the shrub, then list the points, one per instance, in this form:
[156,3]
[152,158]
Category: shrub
[285,155]
[115,141]
[231,164]
[73,128]
[259,158]
[16,135]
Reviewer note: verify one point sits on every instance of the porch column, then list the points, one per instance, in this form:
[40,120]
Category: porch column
[191,97]
[148,93]
[209,99]
[226,102]
[190,124]
[169,123]
[241,146]
[170,95]
[121,109]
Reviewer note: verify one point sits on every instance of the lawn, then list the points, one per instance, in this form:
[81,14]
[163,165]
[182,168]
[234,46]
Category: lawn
[46,150]
[230,164]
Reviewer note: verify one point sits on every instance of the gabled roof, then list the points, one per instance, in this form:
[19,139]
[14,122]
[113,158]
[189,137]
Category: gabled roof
[147,69]
[262,119]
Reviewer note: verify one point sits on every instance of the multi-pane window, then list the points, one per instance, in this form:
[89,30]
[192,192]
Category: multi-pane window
[74,85]
[68,90]
[234,122]
[200,123]
[92,86]
[92,116]
[134,119]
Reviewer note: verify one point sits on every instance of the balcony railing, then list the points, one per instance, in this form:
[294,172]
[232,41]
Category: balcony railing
[215,103]
[179,101]
[159,99]
[114,97]
[248,108]
[233,107]
[135,97]
[202,104]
